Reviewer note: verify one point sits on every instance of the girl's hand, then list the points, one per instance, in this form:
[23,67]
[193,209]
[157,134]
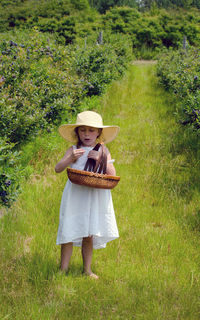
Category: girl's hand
[94,155]
[70,156]
[76,154]
[110,167]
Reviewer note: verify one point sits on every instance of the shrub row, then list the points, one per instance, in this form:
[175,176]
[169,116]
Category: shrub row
[70,20]
[154,31]
[17,13]
[35,79]
[179,72]
[41,83]
[10,171]
[100,65]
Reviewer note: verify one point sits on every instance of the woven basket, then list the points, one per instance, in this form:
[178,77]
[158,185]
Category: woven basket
[91,179]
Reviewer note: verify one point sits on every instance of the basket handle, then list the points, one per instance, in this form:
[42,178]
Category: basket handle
[100,165]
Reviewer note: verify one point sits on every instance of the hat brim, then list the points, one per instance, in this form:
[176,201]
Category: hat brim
[68,133]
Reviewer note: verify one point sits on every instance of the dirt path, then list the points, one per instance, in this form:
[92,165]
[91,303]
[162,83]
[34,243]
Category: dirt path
[144,62]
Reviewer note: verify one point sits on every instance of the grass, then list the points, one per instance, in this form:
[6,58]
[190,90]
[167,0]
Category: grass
[152,271]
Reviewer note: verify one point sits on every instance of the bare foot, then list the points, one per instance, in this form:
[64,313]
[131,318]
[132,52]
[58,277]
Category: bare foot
[64,271]
[91,275]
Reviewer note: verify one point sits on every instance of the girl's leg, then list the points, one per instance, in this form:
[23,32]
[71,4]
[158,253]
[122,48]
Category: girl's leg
[66,252]
[87,249]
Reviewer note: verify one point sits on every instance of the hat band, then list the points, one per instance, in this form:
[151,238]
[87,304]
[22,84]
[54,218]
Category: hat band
[94,124]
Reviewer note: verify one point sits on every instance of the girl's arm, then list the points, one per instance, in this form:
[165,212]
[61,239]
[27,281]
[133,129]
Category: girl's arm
[70,156]
[110,167]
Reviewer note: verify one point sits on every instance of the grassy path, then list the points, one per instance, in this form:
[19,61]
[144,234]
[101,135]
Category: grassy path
[152,271]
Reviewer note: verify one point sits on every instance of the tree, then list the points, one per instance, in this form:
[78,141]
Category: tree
[103,5]
[147,4]
[182,3]
[196,3]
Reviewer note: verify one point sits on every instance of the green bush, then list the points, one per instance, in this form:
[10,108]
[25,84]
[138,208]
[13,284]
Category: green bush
[36,87]
[63,28]
[179,72]
[28,13]
[154,32]
[70,20]
[43,83]
[100,64]
[10,173]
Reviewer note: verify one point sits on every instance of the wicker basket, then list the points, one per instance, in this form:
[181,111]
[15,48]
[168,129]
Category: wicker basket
[91,179]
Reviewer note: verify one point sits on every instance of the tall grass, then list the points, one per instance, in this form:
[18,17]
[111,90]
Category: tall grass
[152,271]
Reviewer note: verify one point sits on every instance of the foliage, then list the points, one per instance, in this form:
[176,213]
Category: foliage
[179,72]
[63,28]
[186,4]
[52,62]
[103,5]
[10,173]
[42,83]
[72,20]
[35,82]
[154,31]
[31,13]
[152,271]
[101,64]
[33,96]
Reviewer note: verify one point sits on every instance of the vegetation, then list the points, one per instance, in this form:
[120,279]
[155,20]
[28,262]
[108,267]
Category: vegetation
[154,265]
[71,21]
[186,4]
[151,32]
[27,107]
[103,5]
[54,43]
[46,14]
[53,64]
[99,66]
[179,73]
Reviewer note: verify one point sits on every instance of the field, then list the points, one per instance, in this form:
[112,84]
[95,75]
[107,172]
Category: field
[152,271]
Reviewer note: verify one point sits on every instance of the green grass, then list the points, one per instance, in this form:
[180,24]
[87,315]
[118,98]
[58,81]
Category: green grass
[152,271]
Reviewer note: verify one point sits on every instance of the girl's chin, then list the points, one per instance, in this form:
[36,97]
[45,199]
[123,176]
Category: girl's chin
[88,144]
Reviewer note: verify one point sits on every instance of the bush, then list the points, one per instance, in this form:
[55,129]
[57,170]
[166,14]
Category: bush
[154,32]
[10,173]
[43,83]
[37,90]
[63,28]
[179,72]
[27,13]
[70,20]
[101,64]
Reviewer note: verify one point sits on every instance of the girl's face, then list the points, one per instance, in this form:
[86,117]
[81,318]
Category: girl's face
[88,135]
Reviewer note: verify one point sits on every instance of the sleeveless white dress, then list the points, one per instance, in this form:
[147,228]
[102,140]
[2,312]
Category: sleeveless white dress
[86,211]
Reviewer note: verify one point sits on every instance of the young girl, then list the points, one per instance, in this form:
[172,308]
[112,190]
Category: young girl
[87,217]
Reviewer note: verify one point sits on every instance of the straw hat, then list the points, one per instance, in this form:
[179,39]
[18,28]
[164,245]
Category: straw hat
[90,119]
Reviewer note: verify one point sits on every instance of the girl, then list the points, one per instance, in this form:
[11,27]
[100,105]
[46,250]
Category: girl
[87,217]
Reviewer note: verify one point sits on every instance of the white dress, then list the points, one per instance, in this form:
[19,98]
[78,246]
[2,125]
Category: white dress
[86,211]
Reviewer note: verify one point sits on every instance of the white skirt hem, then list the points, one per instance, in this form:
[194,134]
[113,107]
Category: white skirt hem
[98,241]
